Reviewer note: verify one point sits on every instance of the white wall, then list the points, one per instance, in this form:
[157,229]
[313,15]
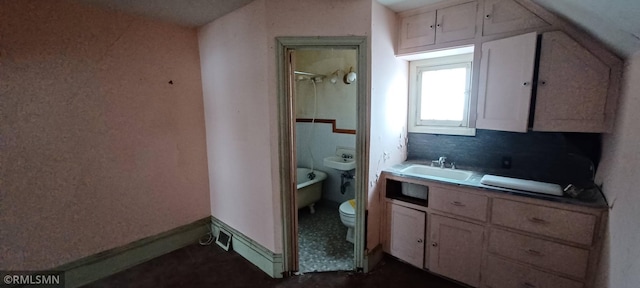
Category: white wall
[323,144]
[619,171]
[388,110]
[239,78]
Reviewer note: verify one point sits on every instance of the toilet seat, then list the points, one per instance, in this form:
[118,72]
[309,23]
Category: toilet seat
[347,210]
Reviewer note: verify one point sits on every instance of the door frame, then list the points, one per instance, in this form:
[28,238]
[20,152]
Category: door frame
[286,137]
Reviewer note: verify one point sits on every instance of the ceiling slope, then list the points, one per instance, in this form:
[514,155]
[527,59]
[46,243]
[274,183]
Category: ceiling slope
[614,22]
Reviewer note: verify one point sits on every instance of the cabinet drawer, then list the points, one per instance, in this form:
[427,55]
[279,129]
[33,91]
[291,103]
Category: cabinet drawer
[501,273]
[458,203]
[542,253]
[562,224]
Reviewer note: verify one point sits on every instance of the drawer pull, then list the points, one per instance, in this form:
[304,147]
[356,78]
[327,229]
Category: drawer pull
[457,203]
[533,252]
[528,285]
[538,220]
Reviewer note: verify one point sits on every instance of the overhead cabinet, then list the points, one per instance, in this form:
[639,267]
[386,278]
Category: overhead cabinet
[574,92]
[501,16]
[419,30]
[573,88]
[506,80]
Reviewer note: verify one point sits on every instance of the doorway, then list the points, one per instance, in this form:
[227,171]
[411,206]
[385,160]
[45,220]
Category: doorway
[316,113]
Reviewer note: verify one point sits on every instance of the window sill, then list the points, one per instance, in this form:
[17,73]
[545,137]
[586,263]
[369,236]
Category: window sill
[461,131]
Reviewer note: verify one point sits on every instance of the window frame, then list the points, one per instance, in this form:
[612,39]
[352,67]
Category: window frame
[451,127]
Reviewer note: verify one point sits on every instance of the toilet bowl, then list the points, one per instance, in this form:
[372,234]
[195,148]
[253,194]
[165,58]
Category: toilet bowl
[348,218]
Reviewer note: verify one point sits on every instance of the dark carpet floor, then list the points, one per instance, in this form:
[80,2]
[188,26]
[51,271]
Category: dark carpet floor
[210,266]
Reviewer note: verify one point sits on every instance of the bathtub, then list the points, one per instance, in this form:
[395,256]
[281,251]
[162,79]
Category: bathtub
[308,191]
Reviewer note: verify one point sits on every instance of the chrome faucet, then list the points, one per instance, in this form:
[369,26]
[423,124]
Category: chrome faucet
[440,161]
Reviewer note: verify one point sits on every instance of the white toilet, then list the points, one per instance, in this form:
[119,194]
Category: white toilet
[348,218]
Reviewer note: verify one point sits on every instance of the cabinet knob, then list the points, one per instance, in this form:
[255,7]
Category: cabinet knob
[487,16]
[430,26]
[543,82]
[525,84]
[438,25]
[434,244]
[419,240]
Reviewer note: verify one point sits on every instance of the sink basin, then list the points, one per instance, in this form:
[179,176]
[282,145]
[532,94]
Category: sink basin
[423,170]
[339,163]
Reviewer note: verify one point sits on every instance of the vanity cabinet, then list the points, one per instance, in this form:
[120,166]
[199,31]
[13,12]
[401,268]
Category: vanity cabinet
[455,249]
[492,239]
[419,29]
[506,81]
[406,234]
[501,16]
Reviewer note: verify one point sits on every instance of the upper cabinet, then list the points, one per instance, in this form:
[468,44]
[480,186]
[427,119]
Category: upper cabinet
[573,87]
[456,23]
[506,81]
[502,16]
[532,62]
[419,30]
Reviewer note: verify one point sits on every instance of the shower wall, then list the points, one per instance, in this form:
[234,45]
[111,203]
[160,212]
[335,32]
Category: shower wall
[332,101]
[335,101]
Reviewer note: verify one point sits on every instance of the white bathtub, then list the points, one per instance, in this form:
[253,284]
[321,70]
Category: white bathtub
[308,191]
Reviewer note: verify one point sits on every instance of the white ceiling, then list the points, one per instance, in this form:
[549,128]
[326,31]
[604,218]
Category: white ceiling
[614,22]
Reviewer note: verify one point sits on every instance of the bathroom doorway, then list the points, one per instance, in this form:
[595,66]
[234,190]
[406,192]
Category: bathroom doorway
[322,111]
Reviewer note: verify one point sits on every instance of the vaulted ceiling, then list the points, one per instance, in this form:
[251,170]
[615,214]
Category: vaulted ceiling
[614,22]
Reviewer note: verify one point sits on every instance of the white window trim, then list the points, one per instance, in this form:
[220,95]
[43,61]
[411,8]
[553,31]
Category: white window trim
[416,125]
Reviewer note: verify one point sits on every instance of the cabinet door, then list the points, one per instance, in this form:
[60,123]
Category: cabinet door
[406,234]
[456,23]
[506,75]
[572,87]
[417,31]
[455,249]
[502,16]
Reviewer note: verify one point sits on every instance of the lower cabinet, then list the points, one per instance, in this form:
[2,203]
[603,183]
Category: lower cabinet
[494,240]
[502,273]
[455,249]
[406,234]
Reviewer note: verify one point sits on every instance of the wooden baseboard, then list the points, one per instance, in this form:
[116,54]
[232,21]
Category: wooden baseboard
[106,263]
[269,262]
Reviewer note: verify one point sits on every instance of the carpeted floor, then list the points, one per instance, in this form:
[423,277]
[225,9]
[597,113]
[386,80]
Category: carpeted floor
[322,240]
[209,266]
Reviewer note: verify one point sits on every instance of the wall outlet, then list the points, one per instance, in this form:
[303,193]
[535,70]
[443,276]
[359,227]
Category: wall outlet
[506,162]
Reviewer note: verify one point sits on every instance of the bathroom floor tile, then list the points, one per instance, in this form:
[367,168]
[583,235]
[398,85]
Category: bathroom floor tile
[322,240]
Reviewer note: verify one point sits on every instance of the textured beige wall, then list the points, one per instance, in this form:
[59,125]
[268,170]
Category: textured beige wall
[619,172]
[97,149]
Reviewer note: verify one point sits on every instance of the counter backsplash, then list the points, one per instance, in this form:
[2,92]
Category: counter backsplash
[562,158]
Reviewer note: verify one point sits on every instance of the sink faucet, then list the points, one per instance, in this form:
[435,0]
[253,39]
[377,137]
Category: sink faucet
[440,161]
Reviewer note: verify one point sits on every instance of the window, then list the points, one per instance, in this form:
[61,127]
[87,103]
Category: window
[439,95]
